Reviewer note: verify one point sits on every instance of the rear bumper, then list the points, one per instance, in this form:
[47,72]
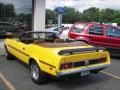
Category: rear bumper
[60,74]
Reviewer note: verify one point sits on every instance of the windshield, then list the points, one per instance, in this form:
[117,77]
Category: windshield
[38,35]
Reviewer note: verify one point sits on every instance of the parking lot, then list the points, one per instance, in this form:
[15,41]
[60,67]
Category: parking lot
[16,76]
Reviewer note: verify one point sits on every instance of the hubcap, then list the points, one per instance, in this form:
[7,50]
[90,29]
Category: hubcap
[34,72]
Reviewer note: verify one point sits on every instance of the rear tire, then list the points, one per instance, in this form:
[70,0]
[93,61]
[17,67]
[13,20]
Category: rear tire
[95,72]
[36,74]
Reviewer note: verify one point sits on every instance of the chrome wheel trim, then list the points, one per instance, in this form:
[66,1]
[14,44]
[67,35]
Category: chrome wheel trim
[34,72]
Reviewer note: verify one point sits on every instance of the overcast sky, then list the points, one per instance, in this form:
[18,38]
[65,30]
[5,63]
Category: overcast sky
[26,5]
[84,4]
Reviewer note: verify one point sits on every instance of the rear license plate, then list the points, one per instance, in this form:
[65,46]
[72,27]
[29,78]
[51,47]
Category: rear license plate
[84,73]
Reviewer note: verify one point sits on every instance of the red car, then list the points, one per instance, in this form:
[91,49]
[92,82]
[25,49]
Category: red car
[96,34]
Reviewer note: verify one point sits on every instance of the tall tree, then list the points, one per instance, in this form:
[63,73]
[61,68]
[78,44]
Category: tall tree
[71,15]
[91,14]
[7,10]
[1,10]
[50,15]
[108,15]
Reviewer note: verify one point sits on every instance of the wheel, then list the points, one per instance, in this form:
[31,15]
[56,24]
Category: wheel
[8,55]
[36,74]
[95,72]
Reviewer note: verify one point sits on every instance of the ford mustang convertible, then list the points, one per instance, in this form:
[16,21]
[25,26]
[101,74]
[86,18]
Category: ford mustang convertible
[48,56]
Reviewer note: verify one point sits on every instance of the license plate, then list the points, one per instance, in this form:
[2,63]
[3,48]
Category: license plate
[84,73]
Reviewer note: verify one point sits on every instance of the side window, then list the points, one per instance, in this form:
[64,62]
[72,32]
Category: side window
[78,28]
[96,30]
[56,29]
[113,31]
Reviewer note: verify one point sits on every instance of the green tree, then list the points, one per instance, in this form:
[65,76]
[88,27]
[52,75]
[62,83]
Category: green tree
[6,11]
[1,10]
[9,10]
[117,17]
[50,15]
[108,15]
[71,15]
[91,14]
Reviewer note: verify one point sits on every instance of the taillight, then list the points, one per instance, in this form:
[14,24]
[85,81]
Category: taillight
[102,60]
[68,34]
[66,66]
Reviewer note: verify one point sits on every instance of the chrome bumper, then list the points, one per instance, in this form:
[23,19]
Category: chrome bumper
[59,74]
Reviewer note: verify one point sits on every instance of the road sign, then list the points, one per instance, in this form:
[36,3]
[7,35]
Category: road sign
[60,10]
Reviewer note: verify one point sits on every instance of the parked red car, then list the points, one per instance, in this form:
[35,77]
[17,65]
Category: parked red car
[96,34]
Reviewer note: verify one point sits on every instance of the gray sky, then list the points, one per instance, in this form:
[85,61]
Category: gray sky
[25,5]
[84,4]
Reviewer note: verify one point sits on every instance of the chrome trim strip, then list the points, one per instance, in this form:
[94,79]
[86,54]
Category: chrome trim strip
[84,69]
[18,50]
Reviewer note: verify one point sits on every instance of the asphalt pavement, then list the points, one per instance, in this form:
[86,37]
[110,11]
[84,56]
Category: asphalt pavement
[16,76]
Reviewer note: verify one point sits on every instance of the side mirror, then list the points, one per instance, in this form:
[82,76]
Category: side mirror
[9,35]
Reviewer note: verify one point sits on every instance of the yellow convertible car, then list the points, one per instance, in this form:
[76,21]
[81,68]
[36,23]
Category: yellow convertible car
[48,56]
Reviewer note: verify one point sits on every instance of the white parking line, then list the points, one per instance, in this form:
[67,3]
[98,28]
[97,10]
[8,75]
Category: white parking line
[109,74]
[7,83]
[1,45]
[2,50]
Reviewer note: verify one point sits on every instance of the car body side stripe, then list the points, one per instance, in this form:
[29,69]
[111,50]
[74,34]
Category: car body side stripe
[29,56]
[47,64]
[18,50]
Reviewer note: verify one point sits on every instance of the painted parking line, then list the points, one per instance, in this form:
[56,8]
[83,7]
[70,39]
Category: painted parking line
[2,50]
[1,45]
[109,74]
[7,83]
